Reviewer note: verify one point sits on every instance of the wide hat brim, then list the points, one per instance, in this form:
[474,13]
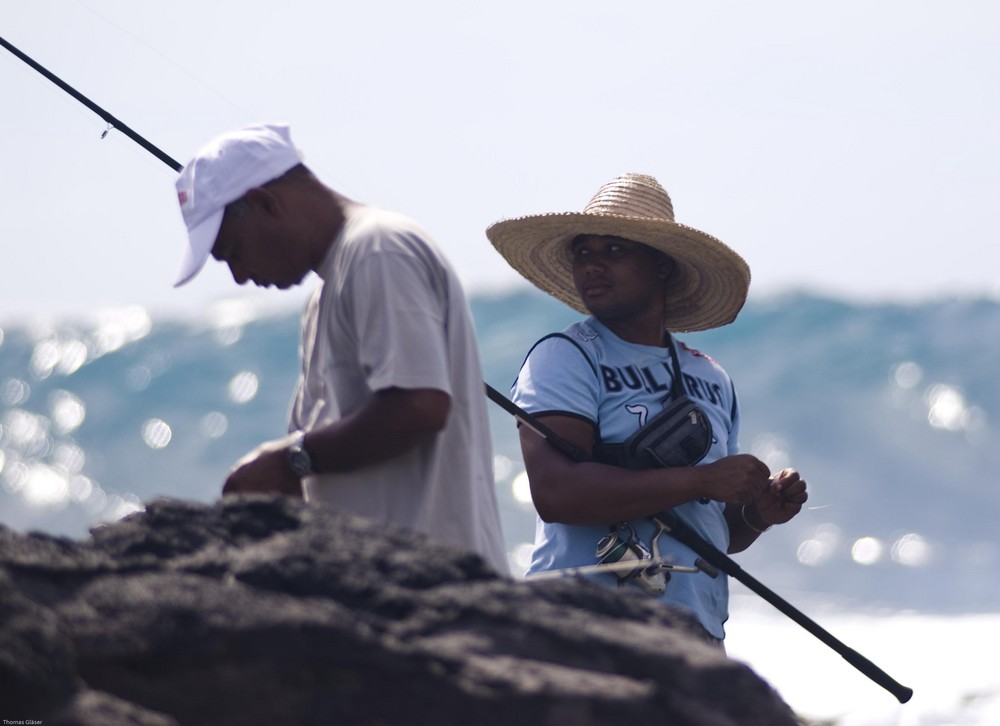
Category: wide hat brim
[706,289]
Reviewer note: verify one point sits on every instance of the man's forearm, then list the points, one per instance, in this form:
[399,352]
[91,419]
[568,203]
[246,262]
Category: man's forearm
[391,423]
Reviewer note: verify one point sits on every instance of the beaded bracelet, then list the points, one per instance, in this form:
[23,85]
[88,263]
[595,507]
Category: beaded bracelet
[743,513]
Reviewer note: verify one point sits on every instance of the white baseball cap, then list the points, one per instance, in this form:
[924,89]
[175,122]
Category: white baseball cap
[220,173]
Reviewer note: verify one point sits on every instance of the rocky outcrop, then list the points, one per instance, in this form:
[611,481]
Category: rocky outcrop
[266,611]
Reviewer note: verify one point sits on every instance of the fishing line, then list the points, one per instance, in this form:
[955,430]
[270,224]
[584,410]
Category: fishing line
[667,519]
[162,55]
[108,118]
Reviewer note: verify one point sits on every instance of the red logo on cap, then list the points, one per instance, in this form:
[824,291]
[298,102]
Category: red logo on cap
[182,197]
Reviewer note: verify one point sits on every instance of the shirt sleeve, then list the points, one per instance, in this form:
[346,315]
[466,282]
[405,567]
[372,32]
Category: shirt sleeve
[557,377]
[399,315]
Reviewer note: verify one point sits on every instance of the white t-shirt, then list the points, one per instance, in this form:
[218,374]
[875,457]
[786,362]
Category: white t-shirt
[590,373]
[391,313]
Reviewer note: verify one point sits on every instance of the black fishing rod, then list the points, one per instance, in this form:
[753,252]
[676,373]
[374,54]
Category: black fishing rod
[108,118]
[680,531]
[668,520]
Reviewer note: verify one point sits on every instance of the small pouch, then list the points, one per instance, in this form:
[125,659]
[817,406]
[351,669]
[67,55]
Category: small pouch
[679,435]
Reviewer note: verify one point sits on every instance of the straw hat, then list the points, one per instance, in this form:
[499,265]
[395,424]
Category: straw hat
[706,289]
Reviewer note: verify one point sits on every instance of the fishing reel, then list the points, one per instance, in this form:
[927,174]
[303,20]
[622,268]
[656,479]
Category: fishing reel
[622,544]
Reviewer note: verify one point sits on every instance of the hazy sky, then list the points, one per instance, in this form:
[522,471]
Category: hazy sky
[847,148]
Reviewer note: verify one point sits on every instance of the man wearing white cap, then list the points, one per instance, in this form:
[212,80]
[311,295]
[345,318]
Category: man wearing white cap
[657,421]
[389,417]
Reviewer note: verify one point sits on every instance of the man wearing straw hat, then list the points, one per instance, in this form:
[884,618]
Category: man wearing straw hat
[389,419]
[659,421]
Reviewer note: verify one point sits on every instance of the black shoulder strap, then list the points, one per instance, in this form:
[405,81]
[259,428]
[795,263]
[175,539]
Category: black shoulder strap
[575,344]
[676,385]
[732,409]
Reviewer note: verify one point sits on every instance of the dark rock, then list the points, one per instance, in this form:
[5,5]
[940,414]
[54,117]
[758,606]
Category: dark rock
[267,611]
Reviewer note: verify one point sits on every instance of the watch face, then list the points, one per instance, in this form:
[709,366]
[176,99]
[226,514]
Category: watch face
[299,460]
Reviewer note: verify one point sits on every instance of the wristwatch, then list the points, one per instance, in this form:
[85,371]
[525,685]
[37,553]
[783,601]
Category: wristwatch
[298,458]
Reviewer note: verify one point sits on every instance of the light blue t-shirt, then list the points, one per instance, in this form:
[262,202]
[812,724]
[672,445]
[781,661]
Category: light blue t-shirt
[588,372]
